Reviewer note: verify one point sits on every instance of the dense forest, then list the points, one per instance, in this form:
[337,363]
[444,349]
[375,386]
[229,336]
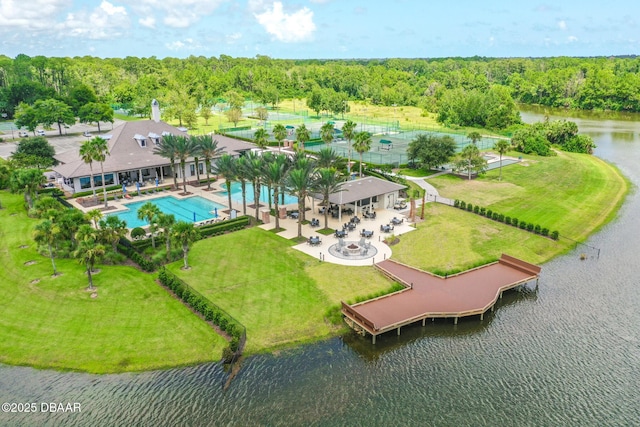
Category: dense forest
[432,84]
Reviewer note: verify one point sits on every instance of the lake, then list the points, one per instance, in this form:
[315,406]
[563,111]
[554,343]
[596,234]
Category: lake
[566,355]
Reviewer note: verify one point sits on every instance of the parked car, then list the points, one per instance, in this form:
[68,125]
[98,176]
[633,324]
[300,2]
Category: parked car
[40,132]
[87,134]
[23,134]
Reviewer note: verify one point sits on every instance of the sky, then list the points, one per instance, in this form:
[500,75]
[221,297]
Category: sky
[319,28]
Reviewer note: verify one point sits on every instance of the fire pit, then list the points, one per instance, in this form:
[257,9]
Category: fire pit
[353,248]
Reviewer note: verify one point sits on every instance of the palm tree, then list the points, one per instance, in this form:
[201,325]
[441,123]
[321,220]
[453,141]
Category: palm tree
[241,175]
[348,130]
[326,132]
[100,152]
[94,215]
[471,159]
[167,148]
[274,175]
[87,156]
[209,150]
[501,146]
[46,233]
[196,152]
[327,157]
[112,229]
[254,165]
[362,144]
[88,251]
[327,182]
[261,138]
[279,133]
[26,181]
[474,137]
[226,167]
[185,233]
[302,136]
[166,222]
[148,213]
[298,183]
[184,148]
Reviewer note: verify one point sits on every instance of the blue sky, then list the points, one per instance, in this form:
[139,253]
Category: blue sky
[319,28]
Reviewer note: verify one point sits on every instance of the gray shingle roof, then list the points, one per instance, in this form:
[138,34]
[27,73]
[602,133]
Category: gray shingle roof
[364,188]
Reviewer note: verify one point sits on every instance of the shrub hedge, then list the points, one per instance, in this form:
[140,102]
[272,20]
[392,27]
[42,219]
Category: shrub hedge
[210,311]
[523,225]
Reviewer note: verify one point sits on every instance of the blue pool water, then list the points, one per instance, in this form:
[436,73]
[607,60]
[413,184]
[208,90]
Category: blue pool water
[183,209]
[236,194]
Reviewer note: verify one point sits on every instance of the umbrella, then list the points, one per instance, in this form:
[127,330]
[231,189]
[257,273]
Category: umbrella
[138,187]
[194,217]
[215,212]
[124,189]
[156,182]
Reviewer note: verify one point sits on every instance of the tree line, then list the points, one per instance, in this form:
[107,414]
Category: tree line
[198,83]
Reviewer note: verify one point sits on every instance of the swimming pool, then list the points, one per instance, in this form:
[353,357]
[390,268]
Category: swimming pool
[191,209]
[236,194]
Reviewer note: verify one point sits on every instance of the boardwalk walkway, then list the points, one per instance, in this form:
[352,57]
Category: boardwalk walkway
[469,293]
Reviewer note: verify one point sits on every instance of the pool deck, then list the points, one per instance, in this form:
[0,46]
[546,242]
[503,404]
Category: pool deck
[428,296]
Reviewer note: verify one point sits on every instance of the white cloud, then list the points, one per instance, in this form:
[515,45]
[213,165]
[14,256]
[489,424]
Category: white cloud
[288,28]
[572,39]
[34,15]
[233,37]
[105,21]
[562,25]
[186,44]
[176,13]
[149,22]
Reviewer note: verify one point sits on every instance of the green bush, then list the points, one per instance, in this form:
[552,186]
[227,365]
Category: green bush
[138,232]
[494,216]
[555,235]
[463,205]
[489,213]
[545,232]
[456,203]
[530,226]
[469,207]
[523,225]
[537,229]
[476,209]
[483,211]
[507,220]
[514,222]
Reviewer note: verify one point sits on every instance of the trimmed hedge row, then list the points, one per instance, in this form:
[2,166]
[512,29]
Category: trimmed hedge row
[210,311]
[523,225]
[125,247]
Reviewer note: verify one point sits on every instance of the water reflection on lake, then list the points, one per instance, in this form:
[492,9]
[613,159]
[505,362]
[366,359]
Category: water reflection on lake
[566,355]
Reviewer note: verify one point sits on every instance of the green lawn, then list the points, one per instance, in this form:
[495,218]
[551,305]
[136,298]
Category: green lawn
[572,193]
[132,325]
[281,295]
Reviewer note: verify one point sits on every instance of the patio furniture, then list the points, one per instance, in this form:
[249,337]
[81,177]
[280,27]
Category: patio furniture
[315,222]
[367,233]
[314,241]
[341,233]
[294,215]
[397,221]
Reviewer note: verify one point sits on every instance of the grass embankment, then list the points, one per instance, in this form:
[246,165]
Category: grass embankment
[575,194]
[132,325]
[279,294]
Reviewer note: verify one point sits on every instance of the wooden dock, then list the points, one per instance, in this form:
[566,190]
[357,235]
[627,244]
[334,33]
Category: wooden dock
[428,296]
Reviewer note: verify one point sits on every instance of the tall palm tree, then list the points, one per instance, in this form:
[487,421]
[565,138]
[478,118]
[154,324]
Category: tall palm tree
[185,233]
[362,144]
[166,222]
[501,146]
[167,148]
[196,153]
[46,233]
[27,182]
[88,251]
[298,182]
[348,130]
[226,166]
[185,147]
[261,138]
[100,152]
[274,175]
[279,133]
[148,213]
[302,135]
[327,182]
[327,157]
[326,132]
[474,136]
[209,150]
[242,175]
[112,229]
[94,215]
[87,156]
[254,166]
